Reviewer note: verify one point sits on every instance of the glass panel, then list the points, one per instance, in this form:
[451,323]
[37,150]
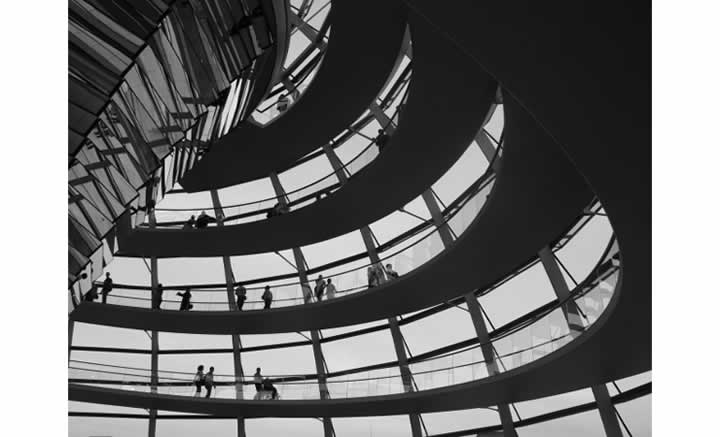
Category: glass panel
[87,426]
[637,415]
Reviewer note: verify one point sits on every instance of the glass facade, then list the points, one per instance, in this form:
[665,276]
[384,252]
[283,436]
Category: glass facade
[153,85]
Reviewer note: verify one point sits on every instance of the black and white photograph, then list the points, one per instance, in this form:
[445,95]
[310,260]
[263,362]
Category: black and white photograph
[346,218]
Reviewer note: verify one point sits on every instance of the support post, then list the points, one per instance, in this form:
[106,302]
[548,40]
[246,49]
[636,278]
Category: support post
[307,30]
[154,335]
[398,343]
[71,330]
[336,164]
[236,342]
[382,118]
[405,373]
[300,266]
[489,357]
[475,313]
[437,217]
[487,148]
[574,320]
[279,191]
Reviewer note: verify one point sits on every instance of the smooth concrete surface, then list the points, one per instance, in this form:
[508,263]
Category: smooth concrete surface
[537,196]
[365,40]
[582,70]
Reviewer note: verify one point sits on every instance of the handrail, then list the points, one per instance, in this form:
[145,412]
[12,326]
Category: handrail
[562,241]
[276,198]
[605,269]
[626,396]
[487,179]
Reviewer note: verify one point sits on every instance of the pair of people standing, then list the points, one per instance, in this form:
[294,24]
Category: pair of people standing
[263,385]
[107,287]
[206,380]
[322,287]
[201,222]
[241,296]
[377,274]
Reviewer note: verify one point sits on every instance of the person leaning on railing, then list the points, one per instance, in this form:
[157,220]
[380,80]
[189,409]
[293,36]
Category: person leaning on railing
[185,304]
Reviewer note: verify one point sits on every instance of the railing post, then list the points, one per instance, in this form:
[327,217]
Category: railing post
[236,342]
[574,320]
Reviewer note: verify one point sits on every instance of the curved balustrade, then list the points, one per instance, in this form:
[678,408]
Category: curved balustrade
[298,74]
[524,343]
[408,255]
[305,195]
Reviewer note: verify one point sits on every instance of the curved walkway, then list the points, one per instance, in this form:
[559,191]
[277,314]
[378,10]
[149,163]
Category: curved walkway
[365,43]
[447,101]
[536,196]
[549,331]
[584,76]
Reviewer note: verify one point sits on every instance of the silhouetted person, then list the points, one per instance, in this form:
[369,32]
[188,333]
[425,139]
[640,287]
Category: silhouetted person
[278,209]
[257,379]
[203,221]
[199,379]
[267,297]
[185,304]
[319,288]
[382,139]
[267,385]
[282,103]
[106,287]
[241,296]
[330,289]
[157,296]
[392,274]
[190,223]
[92,294]
[209,381]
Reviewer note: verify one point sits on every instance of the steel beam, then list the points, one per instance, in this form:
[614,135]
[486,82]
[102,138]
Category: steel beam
[574,320]
[229,284]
